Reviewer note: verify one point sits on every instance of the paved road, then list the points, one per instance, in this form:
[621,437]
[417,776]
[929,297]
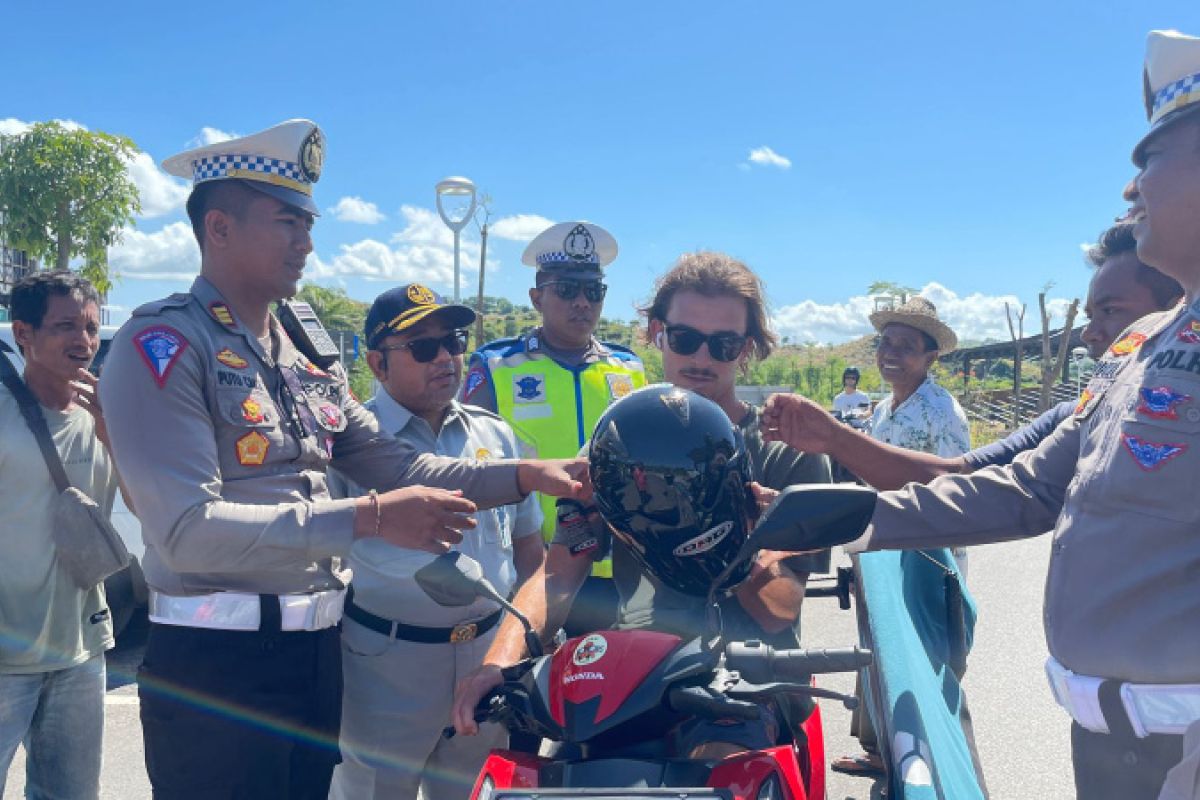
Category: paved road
[1022,736]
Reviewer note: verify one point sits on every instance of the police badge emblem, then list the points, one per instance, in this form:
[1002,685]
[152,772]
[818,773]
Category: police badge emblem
[529,389]
[579,244]
[420,295]
[312,155]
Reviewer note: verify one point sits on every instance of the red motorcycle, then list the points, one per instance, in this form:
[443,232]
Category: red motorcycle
[614,697]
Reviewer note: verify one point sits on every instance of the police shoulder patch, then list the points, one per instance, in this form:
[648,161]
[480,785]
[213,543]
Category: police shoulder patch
[475,378]
[160,347]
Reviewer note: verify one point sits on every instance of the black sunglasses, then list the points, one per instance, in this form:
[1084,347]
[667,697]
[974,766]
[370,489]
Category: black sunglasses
[722,346]
[426,349]
[594,291]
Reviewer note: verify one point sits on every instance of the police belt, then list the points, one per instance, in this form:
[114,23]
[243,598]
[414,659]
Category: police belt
[462,632]
[240,611]
[1103,705]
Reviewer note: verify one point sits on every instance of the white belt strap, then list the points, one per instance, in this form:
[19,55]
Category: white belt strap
[1151,708]
[238,611]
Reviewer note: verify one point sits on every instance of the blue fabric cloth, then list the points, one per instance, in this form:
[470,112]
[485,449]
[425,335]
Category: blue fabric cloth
[919,694]
[1020,440]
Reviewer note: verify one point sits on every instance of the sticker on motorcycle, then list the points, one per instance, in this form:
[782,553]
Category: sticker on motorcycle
[590,650]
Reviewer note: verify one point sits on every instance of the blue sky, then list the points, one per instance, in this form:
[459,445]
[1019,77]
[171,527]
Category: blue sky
[965,147]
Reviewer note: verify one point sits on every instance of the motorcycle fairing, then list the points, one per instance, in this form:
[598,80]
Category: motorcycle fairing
[609,666]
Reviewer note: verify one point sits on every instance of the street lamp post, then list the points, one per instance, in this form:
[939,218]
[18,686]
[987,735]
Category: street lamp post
[456,206]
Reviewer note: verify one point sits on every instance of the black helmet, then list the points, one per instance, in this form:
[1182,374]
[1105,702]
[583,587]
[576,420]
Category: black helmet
[850,372]
[671,474]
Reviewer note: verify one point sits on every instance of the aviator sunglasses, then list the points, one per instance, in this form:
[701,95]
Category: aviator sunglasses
[426,349]
[594,291]
[722,346]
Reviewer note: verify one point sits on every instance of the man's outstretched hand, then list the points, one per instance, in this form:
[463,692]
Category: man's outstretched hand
[800,423]
[557,477]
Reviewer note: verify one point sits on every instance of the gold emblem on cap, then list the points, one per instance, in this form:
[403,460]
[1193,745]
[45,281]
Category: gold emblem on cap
[420,295]
[312,155]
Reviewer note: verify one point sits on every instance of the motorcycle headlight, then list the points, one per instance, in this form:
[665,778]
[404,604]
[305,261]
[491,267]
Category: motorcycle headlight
[486,789]
[770,790]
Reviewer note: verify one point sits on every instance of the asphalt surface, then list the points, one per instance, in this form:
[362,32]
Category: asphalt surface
[1022,735]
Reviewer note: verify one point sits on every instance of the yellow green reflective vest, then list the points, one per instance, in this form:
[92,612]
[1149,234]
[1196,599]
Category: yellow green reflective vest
[553,408]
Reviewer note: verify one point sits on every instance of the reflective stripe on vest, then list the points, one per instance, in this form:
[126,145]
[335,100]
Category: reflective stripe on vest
[553,409]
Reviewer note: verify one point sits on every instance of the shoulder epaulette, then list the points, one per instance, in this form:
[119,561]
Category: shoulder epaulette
[622,352]
[177,300]
[501,348]
[476,411]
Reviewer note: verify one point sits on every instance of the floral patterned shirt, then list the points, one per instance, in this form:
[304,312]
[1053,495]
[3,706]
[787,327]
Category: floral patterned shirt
[930,421]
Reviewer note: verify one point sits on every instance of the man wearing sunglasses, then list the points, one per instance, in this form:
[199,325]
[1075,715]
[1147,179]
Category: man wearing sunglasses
[708,317]
[552,383]
[401,652]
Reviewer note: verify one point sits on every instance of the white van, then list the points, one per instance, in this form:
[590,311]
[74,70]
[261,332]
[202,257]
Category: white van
[126,590]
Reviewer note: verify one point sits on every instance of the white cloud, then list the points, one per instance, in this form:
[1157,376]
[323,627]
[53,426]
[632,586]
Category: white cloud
[766,157]
[422,251]
[208,136]
[974,317]
[355,209]
[520,227]
[167,254]
[11,126]
[160,193]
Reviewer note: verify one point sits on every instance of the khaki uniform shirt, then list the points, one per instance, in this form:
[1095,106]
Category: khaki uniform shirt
[224,445]
[1119,483]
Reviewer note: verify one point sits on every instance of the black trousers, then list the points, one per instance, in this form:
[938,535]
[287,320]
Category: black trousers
[233,714]
[1112,766]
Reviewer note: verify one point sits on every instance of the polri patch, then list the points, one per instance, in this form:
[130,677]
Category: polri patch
[232,359]
[529,389]
[160,346]
[221,313]
[1160,402]
[618,385]
[252,449]
[1190,334]
[1151,455]
[1128,345]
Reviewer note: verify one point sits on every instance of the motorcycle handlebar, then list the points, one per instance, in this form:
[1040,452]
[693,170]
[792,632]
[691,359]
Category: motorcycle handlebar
[760,663]
[699,702]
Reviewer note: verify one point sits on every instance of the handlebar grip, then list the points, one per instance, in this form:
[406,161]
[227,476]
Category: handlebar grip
[760,663]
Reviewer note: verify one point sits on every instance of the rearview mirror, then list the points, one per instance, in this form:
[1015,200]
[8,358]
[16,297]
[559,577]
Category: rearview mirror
[451,579]
[814,517]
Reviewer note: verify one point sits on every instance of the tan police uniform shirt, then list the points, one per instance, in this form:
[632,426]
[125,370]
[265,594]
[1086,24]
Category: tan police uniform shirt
[224,445]
[1119,482]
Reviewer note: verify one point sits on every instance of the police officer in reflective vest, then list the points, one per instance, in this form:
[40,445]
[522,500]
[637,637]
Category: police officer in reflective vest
[554,382]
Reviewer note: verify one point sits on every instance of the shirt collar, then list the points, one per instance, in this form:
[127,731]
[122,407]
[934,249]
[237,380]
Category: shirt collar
[394,417]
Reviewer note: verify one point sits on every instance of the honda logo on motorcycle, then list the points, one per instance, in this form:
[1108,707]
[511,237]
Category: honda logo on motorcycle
[705,541]
[590,650]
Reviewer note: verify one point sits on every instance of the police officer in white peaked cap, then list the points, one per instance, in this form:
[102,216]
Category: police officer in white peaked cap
[552,383]
[1117,482]
[222,428]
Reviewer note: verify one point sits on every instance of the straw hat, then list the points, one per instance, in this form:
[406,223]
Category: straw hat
[921,314]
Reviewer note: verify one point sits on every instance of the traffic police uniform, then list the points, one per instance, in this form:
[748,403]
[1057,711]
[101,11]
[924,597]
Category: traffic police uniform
[553,399]
[402,653]
[223,442]
[1117,482]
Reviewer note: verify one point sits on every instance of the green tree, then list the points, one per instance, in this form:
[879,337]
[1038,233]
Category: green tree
[65,194]
[336,309]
